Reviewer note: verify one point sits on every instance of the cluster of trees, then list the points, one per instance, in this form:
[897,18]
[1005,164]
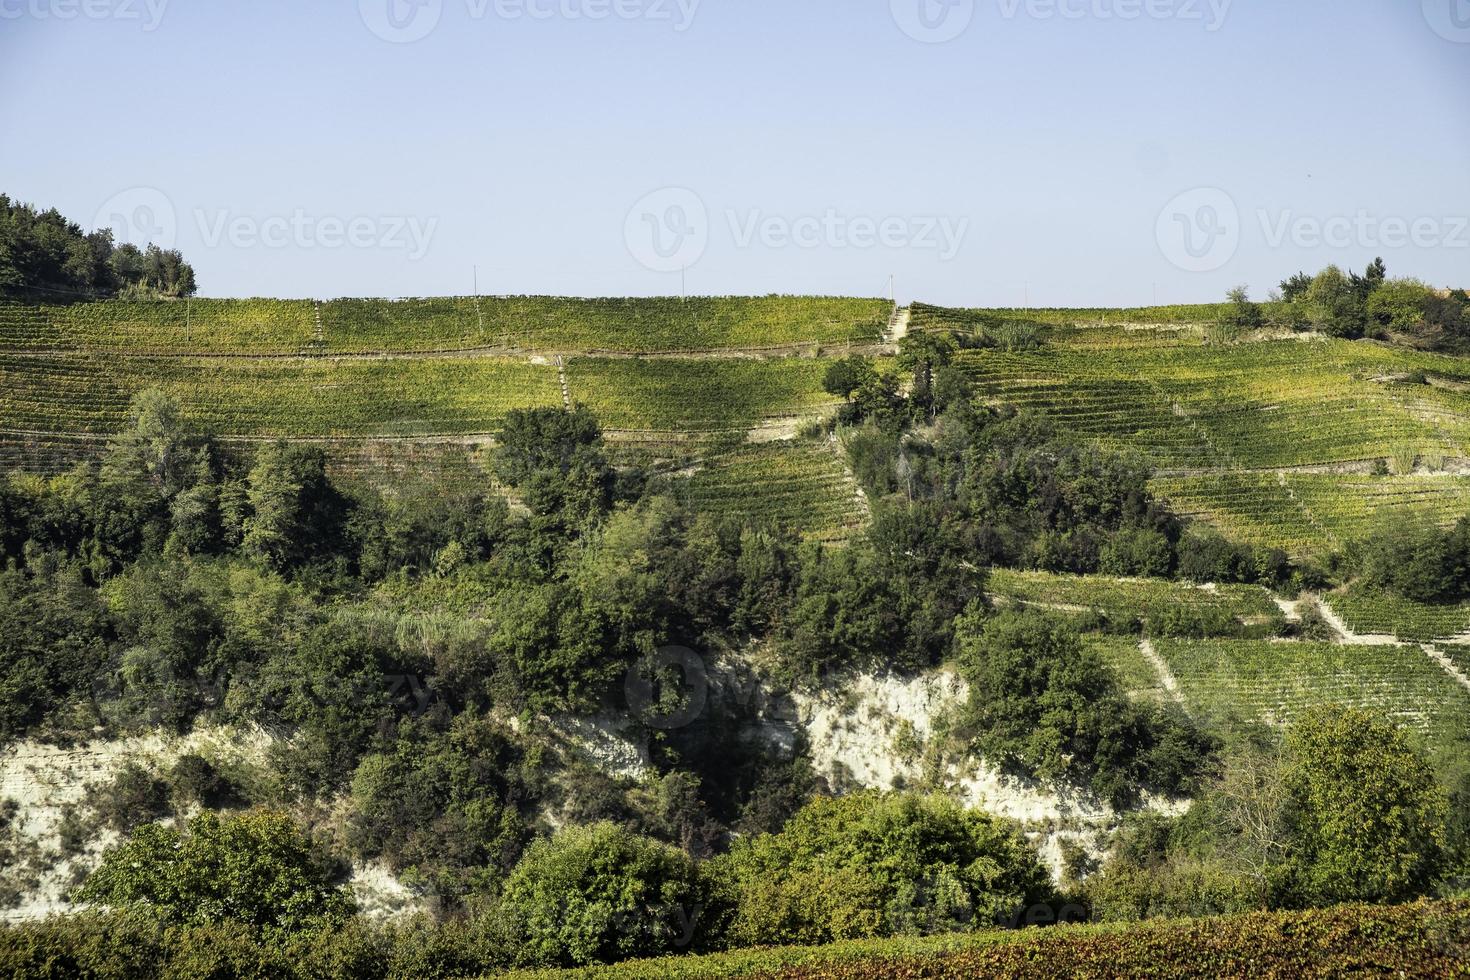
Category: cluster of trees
[41,251]
[1345,808]
[1419,561]
[863,866]
[1350,305]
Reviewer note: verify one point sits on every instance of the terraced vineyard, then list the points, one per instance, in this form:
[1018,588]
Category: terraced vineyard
[1124,599]
[688,395]
[1252,681]
[801,485]
[89,393]
[1371,612]
[348,326]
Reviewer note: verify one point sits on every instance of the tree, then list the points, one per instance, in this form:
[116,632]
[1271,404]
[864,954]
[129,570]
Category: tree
[874,864]
[296,513]
[256,868]
[1296,287]
[1244,314]
[598,894]
[1368,815]
[1399,304]
[555,458]
[1331,304]
[1043,705]
[846,376]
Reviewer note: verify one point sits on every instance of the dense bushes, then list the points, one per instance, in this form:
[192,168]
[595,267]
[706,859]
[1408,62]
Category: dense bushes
[1043,705]
[597,894]
[255,869]
[1347,809]
[1419,562]
[874,865]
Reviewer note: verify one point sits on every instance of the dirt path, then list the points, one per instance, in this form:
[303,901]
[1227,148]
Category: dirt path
[1161,667]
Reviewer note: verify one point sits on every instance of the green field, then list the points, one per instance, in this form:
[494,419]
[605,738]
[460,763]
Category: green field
[1225,681]
[800,485]
[259,326]
[1130,598]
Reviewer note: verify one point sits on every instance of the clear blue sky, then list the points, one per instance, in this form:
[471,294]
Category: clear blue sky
[1053,136]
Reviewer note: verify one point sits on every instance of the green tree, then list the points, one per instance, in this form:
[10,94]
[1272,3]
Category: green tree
[1399,304]
[598,894]
[875,864]
[1368,815]
[256,868]
[297,514]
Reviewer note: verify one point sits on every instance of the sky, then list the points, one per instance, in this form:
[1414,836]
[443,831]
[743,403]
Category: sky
[978,152]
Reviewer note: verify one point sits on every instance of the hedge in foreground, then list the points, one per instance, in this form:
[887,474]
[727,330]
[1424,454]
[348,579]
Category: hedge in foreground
[1426,940]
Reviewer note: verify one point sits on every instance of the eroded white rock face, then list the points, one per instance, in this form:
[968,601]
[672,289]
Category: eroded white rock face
[44,781]
[871,732]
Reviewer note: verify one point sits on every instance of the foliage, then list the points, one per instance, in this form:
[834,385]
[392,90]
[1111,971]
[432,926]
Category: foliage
[42,251]
[877,865]
[1368,815]
[255,868]
[597,894]
[1043,704]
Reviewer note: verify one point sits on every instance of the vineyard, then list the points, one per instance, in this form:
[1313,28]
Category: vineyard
[1226,682]
[1126,599]
[684,395]
[268,398]
[1380,613]
[800,485]
[355,326]
[1275,441]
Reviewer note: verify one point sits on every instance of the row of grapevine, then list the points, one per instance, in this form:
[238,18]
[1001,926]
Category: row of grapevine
[1224,681]
[685,395]
[1125,599]
[1373,611]
[799,485]
[289,327]
[264,398]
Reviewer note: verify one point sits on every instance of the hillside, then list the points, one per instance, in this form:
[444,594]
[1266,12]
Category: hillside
[877,536]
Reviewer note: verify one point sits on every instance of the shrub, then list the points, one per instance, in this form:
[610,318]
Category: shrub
[878,865]
[598,894]
[255,868]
